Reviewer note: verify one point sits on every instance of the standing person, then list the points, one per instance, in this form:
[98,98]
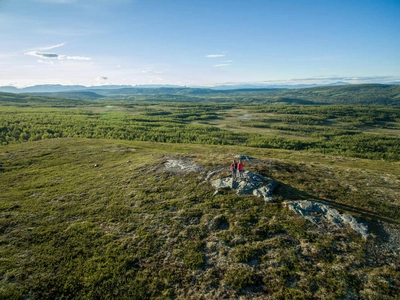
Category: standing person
[233,168]
[240,167]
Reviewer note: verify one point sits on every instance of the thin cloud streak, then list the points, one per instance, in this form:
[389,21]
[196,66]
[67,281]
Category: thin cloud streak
[55,56]
[73,57]
[215,55]
[152,71]
[52,47]
[222,65]
[45,62]
[42,54]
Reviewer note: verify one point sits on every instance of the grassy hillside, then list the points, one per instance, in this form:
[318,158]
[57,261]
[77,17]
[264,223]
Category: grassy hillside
[103,219]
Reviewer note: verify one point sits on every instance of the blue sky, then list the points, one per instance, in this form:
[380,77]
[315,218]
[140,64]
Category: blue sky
[198,42]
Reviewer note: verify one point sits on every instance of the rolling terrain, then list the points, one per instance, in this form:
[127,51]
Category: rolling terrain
[84,218]
[360,94]
[89,208]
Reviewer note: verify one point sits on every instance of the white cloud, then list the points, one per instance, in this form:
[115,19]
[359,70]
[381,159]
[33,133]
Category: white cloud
[45,62]
[222,65]
[52,47]
[102,79]
[73,57]
[55,56]
[151,72]
[215,55]
[42,54]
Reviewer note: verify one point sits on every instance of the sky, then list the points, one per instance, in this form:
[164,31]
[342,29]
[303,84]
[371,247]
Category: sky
[198,42]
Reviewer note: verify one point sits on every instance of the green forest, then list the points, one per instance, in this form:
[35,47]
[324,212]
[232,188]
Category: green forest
[355,130]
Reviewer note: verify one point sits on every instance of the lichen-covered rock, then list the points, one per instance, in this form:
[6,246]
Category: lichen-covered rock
[222,183]
[213,173]
[176,165]
[265,191]
[315,211]
[249,183]
[245,187]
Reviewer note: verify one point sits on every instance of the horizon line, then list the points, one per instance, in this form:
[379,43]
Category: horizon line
[254,84]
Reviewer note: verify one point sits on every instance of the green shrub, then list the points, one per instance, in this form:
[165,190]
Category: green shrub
[239,277]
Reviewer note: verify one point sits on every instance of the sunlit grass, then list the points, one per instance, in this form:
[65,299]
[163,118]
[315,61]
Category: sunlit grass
[88,218]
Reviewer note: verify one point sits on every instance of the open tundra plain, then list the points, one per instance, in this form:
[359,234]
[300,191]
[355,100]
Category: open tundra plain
[130,196]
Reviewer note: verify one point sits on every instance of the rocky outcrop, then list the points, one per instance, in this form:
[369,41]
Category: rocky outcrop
[249,183]
[315,211]
[265,191]
[213,173]
[243,157]
[175,165]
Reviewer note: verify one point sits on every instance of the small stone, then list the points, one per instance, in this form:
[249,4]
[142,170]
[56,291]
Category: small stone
[238,241]
[306,205]
[269,199]
[217,192]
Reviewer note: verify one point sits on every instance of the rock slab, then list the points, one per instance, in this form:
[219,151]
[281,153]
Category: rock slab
[176,165]
[249,183]
[315,211]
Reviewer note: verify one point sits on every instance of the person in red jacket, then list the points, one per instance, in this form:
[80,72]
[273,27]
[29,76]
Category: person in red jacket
[240,167]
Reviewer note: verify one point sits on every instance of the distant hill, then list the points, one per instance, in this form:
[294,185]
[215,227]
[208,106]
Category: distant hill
[45,88]
[371,94]
[145,89]
[367,94]
[274,86]
[54,88]
[38,99]
[84,95]
[362,94]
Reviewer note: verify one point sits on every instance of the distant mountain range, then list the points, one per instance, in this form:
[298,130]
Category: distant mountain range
[363,94]
[56,88]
